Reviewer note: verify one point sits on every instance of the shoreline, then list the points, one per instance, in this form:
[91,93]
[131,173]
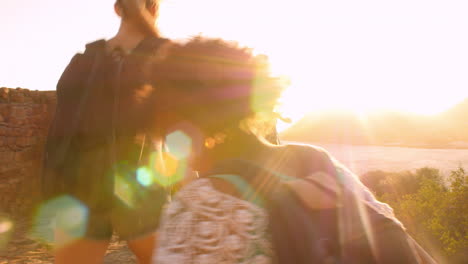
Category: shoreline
[412,146]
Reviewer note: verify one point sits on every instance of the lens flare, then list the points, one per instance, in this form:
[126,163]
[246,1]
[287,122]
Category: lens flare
[123,190]
[6,229]
[5,226]
[166,169]
[179,144]
[145,176]
[166,165]
[265,92]
[60,220]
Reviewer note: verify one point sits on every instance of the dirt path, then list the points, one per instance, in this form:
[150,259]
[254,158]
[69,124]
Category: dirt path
[22,250]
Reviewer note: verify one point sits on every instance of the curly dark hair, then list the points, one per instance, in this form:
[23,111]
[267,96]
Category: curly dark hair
[217,84]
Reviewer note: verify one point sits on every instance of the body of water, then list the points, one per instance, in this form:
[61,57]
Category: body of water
[361,159]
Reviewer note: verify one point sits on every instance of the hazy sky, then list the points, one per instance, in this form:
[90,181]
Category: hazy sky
[362,54]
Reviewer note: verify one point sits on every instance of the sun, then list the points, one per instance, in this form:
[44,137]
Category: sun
[304,97]
[329,69]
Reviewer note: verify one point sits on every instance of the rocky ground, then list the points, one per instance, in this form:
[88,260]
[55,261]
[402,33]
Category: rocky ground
[23,250]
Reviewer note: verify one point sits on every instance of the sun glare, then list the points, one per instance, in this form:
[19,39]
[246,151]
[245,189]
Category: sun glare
[339,55]
[304,97]
[340,62]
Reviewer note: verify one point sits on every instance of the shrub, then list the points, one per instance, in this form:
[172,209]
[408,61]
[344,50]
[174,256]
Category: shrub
[435,214]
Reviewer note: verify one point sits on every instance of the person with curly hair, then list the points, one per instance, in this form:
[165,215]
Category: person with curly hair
[252,201]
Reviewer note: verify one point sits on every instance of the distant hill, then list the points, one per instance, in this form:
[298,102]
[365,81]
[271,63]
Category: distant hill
[446,130]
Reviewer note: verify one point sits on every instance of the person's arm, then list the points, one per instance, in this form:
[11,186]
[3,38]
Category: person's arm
[352,182]
[390,236]
[370,229]
[323,169]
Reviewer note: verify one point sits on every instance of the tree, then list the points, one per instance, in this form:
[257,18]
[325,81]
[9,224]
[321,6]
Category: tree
[434,213]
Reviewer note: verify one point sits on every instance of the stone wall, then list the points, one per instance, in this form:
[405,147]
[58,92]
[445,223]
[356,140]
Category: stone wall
[24,119]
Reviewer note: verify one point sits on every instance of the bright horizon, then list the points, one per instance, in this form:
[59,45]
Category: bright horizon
[363,55]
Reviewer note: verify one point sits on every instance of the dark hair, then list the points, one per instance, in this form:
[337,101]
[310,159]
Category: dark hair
[217,84]
[140,19]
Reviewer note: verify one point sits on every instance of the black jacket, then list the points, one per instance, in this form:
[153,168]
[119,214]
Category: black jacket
[100,114]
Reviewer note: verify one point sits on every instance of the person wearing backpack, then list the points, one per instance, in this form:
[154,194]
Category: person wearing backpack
[252,201]
[98,139]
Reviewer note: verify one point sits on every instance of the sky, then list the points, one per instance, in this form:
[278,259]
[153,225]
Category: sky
[362,55]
